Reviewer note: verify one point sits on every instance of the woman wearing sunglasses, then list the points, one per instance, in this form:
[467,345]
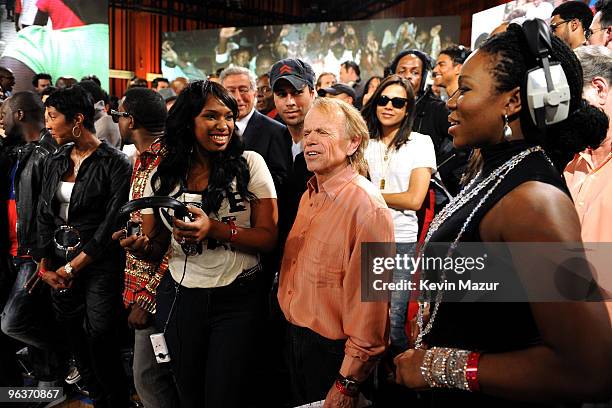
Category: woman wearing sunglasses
[85,184]
[400,163]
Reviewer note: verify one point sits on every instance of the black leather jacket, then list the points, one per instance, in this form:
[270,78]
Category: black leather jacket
[28,183]
[101,188]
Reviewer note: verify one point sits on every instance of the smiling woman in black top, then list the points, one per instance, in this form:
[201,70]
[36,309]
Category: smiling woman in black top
[513,354]
[85,183]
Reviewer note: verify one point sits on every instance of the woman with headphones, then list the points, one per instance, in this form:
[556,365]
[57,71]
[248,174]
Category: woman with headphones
[211,303]
[514,354]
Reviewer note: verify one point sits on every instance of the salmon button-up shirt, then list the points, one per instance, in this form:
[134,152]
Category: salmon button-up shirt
[320,279]
[592,193]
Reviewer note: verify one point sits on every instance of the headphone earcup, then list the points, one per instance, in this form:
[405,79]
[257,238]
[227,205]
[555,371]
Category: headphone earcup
[548,107]
[548,93]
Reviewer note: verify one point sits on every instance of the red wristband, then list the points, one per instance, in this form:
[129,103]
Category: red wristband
[233,231]
[471,371]
[41,272]
[340,387]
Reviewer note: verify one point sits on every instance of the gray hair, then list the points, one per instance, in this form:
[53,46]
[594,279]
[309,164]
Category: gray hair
[596,61]
[239,71]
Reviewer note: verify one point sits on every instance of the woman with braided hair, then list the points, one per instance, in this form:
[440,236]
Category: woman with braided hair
[512,354]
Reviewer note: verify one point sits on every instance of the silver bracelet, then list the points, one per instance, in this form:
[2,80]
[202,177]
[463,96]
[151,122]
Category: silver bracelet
[445,367]
[426,367]
[456,369]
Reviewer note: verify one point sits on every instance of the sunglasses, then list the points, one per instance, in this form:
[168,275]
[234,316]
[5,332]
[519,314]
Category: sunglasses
[115,114]
[397,102]
[553,27]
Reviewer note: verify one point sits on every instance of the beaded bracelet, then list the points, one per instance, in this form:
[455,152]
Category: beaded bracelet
[438,367]
[445,367]
[456,369]
[426,367]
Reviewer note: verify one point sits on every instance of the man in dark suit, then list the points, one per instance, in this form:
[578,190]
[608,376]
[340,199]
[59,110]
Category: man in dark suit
[259,133]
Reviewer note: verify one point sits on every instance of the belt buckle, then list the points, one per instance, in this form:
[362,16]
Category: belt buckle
[62,234]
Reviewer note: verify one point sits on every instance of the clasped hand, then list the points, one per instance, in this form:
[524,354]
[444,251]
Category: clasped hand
[184,232]
[58,279]
[192,231]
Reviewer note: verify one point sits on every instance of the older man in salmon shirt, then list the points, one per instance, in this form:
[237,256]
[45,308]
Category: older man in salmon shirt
[588,174]
[334,339]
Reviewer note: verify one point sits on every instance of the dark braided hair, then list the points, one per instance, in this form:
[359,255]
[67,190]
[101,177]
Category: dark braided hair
[586,126]
[181,143]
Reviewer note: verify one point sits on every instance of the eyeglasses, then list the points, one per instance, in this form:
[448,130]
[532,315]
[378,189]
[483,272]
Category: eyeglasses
[553,26]
[589,32]
[115,114]
[397,102]
[264,89]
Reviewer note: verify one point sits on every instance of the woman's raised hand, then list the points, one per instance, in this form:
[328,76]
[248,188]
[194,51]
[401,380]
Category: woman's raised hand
[192,231]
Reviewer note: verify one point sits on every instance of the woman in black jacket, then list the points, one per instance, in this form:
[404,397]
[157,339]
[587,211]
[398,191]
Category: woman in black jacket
[85,183]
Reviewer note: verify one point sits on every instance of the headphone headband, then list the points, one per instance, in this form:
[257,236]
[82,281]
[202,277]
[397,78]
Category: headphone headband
[180,209]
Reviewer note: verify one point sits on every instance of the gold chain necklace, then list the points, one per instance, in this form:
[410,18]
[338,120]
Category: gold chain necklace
[386,162]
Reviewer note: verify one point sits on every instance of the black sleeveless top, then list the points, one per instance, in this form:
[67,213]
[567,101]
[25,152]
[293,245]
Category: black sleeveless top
[488,327]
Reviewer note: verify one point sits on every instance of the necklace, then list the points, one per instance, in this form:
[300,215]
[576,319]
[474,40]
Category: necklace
[81,157]
[385,154]
[466,195]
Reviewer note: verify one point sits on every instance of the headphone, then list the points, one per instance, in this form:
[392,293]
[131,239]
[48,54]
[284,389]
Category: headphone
[548,93]
[180,211]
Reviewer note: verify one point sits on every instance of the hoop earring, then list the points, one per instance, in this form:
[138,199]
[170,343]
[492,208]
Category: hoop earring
[74,133]
[507,129]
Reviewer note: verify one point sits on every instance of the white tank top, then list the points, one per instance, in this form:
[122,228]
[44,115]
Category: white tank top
[63,194]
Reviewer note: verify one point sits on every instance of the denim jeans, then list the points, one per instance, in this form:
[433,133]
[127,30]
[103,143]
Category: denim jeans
[10,375]
[399,303]
[153,381]
[27,317]
[212,336]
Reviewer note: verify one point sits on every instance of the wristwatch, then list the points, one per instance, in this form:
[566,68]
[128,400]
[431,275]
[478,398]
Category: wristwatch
[349,384]
[68,269]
